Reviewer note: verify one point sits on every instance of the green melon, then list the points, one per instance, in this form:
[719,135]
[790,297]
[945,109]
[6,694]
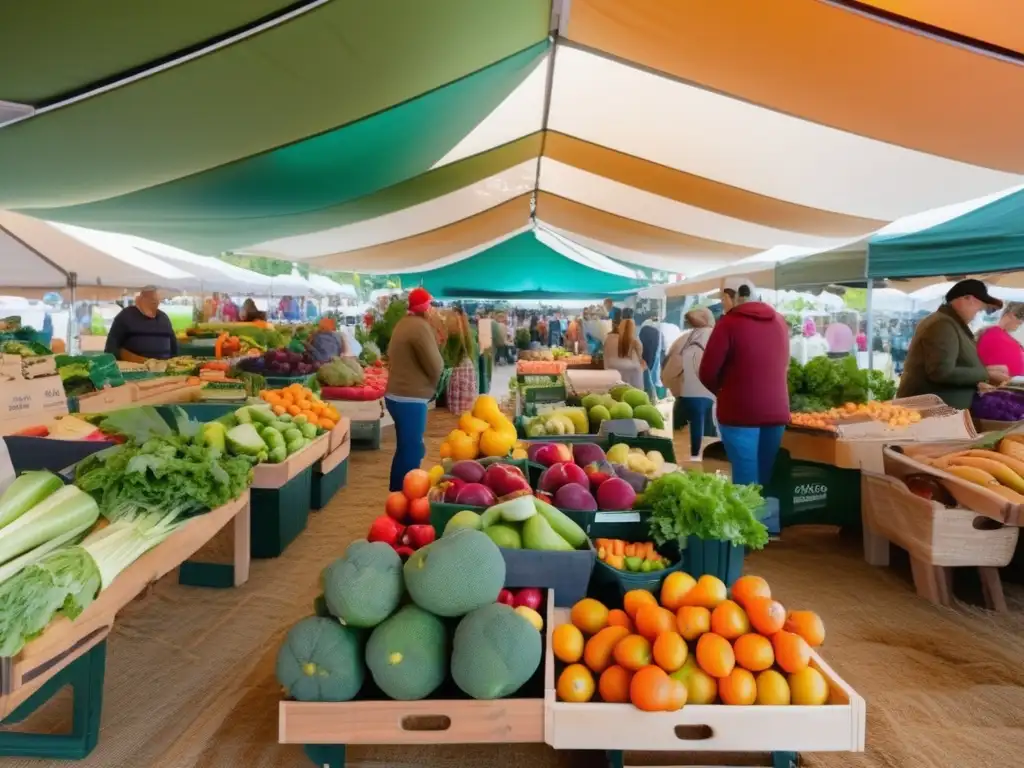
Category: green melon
[635,398]
[455,574]
[621,411]
[364,587]
[320,660]
[651,415]
[408,654]
[495,652]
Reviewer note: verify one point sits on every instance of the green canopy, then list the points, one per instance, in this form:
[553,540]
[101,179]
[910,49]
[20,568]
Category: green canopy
[987,238]
[521,267]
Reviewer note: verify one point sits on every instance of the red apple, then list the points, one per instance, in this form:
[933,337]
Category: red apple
[504,479]
[531,597]
[597,475]
[385,529]
[506,597]
[560,474]
[553,453]
[452,488]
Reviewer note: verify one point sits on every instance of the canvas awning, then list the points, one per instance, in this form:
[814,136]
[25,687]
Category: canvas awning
[679,137]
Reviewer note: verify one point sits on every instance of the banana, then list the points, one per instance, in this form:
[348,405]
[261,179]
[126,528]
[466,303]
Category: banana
[1012,448]
[1007,493]
[1013,463]
[973,475]
[996,469]
[943,461]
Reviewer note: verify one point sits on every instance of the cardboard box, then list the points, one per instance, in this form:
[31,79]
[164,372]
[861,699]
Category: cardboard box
[31,392]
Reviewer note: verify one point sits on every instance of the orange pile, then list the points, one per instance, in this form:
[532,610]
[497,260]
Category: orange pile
[697,644]
[298,400]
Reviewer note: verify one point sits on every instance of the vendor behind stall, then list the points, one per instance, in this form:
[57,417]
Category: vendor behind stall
[943,356]
[326,343]
[142,331]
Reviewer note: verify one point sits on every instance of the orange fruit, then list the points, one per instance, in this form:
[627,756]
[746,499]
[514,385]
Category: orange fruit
[278,410]
[729,620]
[619,618]
[701,688]
[652,690]
[766,615]
[613,685]
[693,621]
[747,587]
[715,655]
[589,615]
[652,620]
[792,653]
[677,695]
[329,424]
[397,506]
[738,688]
[294,410]
[708,592]
[808,688]
[772,689]
[633,652]
[575,684]
[597,653]
[634,599]
[808,625]
[416,483]
[674,589]
[670,651]
[567,643]
[754,652]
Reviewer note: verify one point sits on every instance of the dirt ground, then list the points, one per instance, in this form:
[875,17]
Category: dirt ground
[190,679]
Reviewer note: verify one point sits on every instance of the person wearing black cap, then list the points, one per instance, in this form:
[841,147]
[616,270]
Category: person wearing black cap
[943,356]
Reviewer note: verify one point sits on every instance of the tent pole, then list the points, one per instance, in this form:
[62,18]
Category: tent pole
[548,87]
[870,327]
[72,321]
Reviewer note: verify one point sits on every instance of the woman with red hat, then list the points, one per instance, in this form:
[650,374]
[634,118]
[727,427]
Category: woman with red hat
[415,367]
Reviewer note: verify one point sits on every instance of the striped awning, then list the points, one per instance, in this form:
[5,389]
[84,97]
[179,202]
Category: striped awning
[405,137]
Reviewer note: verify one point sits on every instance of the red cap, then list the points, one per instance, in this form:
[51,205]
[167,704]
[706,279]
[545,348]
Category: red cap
[419,300]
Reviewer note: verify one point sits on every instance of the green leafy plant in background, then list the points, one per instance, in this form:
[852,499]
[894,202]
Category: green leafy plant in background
[380,333]
[522,338]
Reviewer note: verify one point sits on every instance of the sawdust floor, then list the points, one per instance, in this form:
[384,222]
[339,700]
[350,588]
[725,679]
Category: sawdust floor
[190,680]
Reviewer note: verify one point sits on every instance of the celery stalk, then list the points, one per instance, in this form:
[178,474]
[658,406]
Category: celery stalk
[27,491]
[68,509]
[11,567]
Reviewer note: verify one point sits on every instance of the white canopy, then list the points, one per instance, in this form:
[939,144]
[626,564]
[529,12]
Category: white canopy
[324,286]
[292,284]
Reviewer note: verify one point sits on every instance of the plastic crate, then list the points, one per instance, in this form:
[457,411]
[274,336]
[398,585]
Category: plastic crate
[280,382]
[279,515]
[714,558]
[324,486]
[810,493]
[611,583]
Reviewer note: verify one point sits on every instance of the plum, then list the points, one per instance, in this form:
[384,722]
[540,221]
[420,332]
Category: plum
[576,498]
[615,494]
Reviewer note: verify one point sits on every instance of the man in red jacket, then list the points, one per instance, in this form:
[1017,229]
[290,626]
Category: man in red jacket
[745,365]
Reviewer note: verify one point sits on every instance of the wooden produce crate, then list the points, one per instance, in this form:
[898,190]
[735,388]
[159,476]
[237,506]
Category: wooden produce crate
[838,726]
[64,640]
[272,476]
[330,474]
[325,729]
[938,538]
[366,417]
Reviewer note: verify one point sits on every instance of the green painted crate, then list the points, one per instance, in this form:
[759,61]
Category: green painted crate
[611,584]
[279,515]
[324,486]
[365,435]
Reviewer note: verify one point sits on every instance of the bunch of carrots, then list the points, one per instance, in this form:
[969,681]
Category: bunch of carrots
[615,551]
[296,399]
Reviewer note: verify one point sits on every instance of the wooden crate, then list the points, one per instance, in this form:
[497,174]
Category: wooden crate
[270,476]
[501,721]
[937,537]
[65,640]
[340,434]
[838,726]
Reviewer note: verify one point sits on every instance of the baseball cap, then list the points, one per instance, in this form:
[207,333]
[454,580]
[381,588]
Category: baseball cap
[419,300]
[735,283]
[974,288]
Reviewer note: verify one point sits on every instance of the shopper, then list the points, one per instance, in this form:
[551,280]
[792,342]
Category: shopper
[745,366]
[415,366]
[681,375]
[142,331]
[943,355]
[326,343]
[250,312]
[623,353]
[650,342]
[462,384]
[997,347]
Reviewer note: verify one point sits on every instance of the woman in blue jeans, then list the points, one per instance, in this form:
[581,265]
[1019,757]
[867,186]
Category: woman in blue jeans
[681,375]
[745,365]
[415,367]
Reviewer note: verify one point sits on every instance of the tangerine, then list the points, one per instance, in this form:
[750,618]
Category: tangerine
[708,592]
[738,688]
[397,506]
[677,695]
[589,615]
[729,620]
[597,653]
[792,653]
[567,643]
[416,482]
[575,684]
[715,655]
[808,625]
[670,651]
[651,689]
[766,615]
[633,600]
[747,587]
[693,621]
[754,652]
[619,618]
[633,652]
[772,689]
[652,620]
[808,688]
[675,587]
[613,685]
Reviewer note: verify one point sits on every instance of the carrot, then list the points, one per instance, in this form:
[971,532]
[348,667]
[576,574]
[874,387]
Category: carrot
[618,546]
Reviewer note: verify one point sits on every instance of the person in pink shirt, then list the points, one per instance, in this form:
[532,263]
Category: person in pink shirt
[997,347]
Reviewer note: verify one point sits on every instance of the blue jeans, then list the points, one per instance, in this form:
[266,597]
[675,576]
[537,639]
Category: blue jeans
[698,413]
[410,424]
[752,452]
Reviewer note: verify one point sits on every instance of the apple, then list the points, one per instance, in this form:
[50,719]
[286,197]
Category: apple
[506,597]
[452,486]
[560,474]
[505,479]
[552,453]
[531,597]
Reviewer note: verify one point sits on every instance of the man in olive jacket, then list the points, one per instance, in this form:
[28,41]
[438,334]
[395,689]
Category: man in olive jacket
[943,356]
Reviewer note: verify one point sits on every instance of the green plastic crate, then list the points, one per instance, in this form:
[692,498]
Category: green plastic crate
[810,493]
[365,435]
[279,515]
[324,486]
[610,583]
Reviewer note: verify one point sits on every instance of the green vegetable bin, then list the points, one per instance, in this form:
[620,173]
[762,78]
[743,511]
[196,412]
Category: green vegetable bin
[714,558]
[662,445]
[810,493]
[610,584]
[280,514]
[325,485]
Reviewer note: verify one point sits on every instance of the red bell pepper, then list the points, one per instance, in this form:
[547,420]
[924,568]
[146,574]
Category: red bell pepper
[386,529]
[404,552]
[418,536]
